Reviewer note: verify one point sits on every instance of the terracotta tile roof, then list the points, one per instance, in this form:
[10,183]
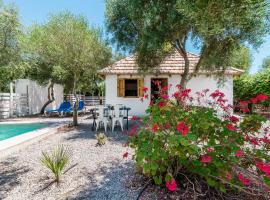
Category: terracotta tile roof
[172,64]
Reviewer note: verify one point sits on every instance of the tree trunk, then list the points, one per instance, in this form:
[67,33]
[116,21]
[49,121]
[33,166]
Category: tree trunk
[185,78]
[50,97]
[185,75]
[75,109]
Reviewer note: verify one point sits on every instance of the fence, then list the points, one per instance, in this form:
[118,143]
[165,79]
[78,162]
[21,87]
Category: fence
[13,105]
[89,100]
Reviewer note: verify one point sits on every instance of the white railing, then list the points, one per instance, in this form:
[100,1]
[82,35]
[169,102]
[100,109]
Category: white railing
[12,105]
[89,100]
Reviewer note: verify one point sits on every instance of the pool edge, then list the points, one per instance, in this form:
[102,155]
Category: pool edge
[16,143]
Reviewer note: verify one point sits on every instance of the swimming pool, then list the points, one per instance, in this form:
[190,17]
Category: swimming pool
[12,130]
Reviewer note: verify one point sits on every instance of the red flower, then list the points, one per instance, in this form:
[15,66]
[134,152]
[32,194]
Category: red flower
[254,141]
[217,93]
[229,176]
[165,96]
[178,86]
[206,159]
[132,131]
[171,185]
[145,89]
[167,125]
[264,167]
[261,97]
[238,153]
[253,100]
[242,103]
[155,128]
[180,125]
[146,96]
[161,104]
[125,155]
[133,118]
[182,128]
[210,149]
[245,110]
[230,127]
[244,180]
[234,119]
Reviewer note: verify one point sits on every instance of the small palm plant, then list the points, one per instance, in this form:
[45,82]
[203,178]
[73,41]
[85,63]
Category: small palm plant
[56,161]
[101,139]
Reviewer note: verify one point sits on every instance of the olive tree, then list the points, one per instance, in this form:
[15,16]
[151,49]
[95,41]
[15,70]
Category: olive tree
[66,50]
[216,27]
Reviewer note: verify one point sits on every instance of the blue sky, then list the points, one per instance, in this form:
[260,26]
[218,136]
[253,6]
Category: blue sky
[32,11]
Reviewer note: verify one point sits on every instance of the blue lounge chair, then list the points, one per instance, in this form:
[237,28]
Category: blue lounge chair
[64,106]
[81,107]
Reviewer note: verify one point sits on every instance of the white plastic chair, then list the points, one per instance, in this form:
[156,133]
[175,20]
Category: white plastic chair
[117,117]
[101,119]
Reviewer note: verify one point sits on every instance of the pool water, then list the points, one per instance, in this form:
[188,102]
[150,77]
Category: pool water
[11,130]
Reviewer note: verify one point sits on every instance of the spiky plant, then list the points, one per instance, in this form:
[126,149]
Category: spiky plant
[101,139]
[56,160]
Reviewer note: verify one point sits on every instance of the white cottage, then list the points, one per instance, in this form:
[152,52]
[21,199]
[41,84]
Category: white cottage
[124,83]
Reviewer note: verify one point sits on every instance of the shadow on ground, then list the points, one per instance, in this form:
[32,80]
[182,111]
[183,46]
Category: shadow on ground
[9,175]
[85,131]
[111,183]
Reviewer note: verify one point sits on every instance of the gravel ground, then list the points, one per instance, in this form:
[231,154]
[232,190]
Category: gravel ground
[93,173]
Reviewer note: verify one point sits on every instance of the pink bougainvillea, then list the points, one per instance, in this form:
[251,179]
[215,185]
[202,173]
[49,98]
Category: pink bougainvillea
[171,185]
[206,159]
[182,128]
[245,181]
[125,155]
[238,153]
[233,119]
[203,138]
[231,127]
[155,128]
[261,97]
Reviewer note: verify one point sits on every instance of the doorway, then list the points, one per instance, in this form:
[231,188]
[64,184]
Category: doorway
[156,85]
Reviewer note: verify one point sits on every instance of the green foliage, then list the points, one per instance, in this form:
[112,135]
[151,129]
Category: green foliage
[183,136]
[56,161]
[247,86]
[241,59]
[66,50]
[217,27]
[266,63]
[101,139]
[10,32]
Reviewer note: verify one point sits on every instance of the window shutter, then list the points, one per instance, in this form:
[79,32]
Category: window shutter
[140,87]
[120,87]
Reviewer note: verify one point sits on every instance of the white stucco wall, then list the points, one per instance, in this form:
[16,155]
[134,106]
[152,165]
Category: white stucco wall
[198,83]
[38,94]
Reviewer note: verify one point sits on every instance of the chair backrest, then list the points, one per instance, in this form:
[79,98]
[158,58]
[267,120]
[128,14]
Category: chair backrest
[101,111]
[81,105]
[65,105]
[117,112]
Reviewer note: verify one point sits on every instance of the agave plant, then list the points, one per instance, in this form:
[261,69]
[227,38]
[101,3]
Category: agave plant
[56,161]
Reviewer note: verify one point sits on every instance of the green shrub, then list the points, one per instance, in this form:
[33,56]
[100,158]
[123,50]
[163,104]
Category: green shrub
[199,135]
[56,161]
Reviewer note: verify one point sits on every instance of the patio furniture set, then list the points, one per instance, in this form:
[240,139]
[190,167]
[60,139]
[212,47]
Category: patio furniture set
[110,115]
[106,115]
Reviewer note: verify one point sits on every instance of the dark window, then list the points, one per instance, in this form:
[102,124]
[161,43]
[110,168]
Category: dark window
[131,87]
